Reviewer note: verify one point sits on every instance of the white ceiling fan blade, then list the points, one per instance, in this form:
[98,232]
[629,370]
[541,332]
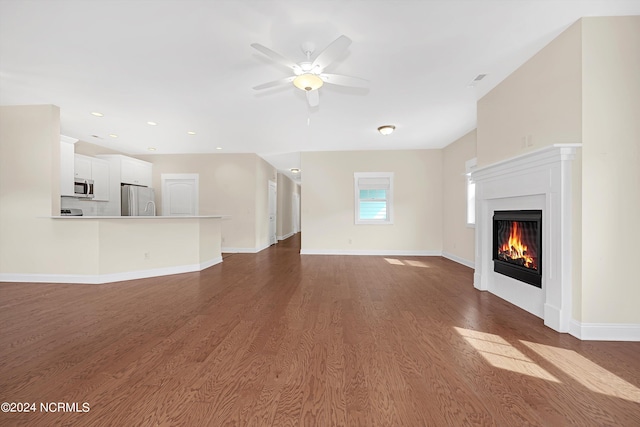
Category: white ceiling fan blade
[332,52]
[274,83]
[337,79]
[275,56]
[313,98]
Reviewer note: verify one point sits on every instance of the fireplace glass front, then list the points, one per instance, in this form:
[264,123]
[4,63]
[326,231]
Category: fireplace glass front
[517,245]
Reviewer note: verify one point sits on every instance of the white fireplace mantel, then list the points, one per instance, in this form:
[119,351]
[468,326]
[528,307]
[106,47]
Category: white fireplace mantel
[537,180]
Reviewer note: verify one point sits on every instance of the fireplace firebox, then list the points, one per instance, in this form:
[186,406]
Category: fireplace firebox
[517,245]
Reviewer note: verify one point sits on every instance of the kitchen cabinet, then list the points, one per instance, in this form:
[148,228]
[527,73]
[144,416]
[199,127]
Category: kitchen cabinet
[95,169]
[82,167]
[100,176]
[134,171]
[66,165]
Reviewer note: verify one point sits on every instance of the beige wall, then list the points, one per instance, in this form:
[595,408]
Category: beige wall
[286,188]
[92,150]
[611,169]
[228,185]
[29,191]
[539,103]
[328,201]
[458,239]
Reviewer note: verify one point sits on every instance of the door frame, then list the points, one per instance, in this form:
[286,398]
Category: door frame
[273,238]
[295,214]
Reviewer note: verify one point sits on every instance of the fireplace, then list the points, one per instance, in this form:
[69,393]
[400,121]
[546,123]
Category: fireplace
[537,180]
[517,245]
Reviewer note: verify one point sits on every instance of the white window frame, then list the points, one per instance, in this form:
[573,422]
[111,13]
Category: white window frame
[470,166]
[356,186]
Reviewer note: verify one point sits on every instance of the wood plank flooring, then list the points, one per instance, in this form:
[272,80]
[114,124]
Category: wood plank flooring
[277,338]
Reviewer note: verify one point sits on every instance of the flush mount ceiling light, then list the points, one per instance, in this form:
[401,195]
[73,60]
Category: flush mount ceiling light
[113,135]
[95,113]
[191,132]
[152,123]
[308,82]
[294,170]
[151,149]
[386,129]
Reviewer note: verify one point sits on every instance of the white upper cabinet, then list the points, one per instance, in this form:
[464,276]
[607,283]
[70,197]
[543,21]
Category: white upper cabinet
[134,171]
[82,167]
[96,169]
[100,176]
[66,165]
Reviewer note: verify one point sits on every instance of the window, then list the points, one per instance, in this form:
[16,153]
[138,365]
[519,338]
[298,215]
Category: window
[373,197]
[470,166]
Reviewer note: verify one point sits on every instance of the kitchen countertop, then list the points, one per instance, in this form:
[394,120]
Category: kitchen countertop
[136,217]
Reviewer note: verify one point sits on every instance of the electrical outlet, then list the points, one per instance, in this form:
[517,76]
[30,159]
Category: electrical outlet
[223,239]
[147,255]
[529,140]
[350,241]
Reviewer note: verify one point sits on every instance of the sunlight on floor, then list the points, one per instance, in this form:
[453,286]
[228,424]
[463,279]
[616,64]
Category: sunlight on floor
[587,373]
[499,353]
[408,262]
[416,264]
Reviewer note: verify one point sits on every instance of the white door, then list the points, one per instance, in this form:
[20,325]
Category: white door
[179,194]
[295,212]
[273,198]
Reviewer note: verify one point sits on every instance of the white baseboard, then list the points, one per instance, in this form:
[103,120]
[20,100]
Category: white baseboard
[286,236]
[605,331]
[458,259]
[230,250]
[98,279]
[379,252]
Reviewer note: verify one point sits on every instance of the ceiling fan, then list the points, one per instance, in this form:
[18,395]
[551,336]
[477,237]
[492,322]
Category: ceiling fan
[309,75]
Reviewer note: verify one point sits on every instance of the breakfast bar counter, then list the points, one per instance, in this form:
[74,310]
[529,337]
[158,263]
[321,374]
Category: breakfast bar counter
[115,248]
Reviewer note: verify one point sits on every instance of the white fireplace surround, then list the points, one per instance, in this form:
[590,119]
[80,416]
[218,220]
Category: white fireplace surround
[537,180]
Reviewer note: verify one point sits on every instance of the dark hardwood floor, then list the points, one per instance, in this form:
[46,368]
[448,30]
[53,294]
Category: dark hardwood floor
[277,338]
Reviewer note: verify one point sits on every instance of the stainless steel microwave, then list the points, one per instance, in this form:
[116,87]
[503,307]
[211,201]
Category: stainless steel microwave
[83,188]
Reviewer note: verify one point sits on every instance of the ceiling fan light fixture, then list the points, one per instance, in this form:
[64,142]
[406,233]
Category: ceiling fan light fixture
[386,129]
[308,81]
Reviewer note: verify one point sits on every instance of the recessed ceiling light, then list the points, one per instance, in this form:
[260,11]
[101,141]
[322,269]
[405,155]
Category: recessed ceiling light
[191,132]
[152,123]
[386,129]
[218,148]
[95,113]
[151,149]
[113,135]
[294,170]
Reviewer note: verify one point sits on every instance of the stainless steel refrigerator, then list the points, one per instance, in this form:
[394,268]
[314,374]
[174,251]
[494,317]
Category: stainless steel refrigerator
[137,201]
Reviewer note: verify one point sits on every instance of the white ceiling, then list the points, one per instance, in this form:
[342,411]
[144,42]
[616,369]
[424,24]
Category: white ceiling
[188,65]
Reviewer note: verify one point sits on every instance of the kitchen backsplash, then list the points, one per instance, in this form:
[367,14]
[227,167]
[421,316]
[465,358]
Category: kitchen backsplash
[89,207]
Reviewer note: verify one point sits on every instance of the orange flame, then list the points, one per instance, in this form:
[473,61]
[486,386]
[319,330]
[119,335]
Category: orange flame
[516,249]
